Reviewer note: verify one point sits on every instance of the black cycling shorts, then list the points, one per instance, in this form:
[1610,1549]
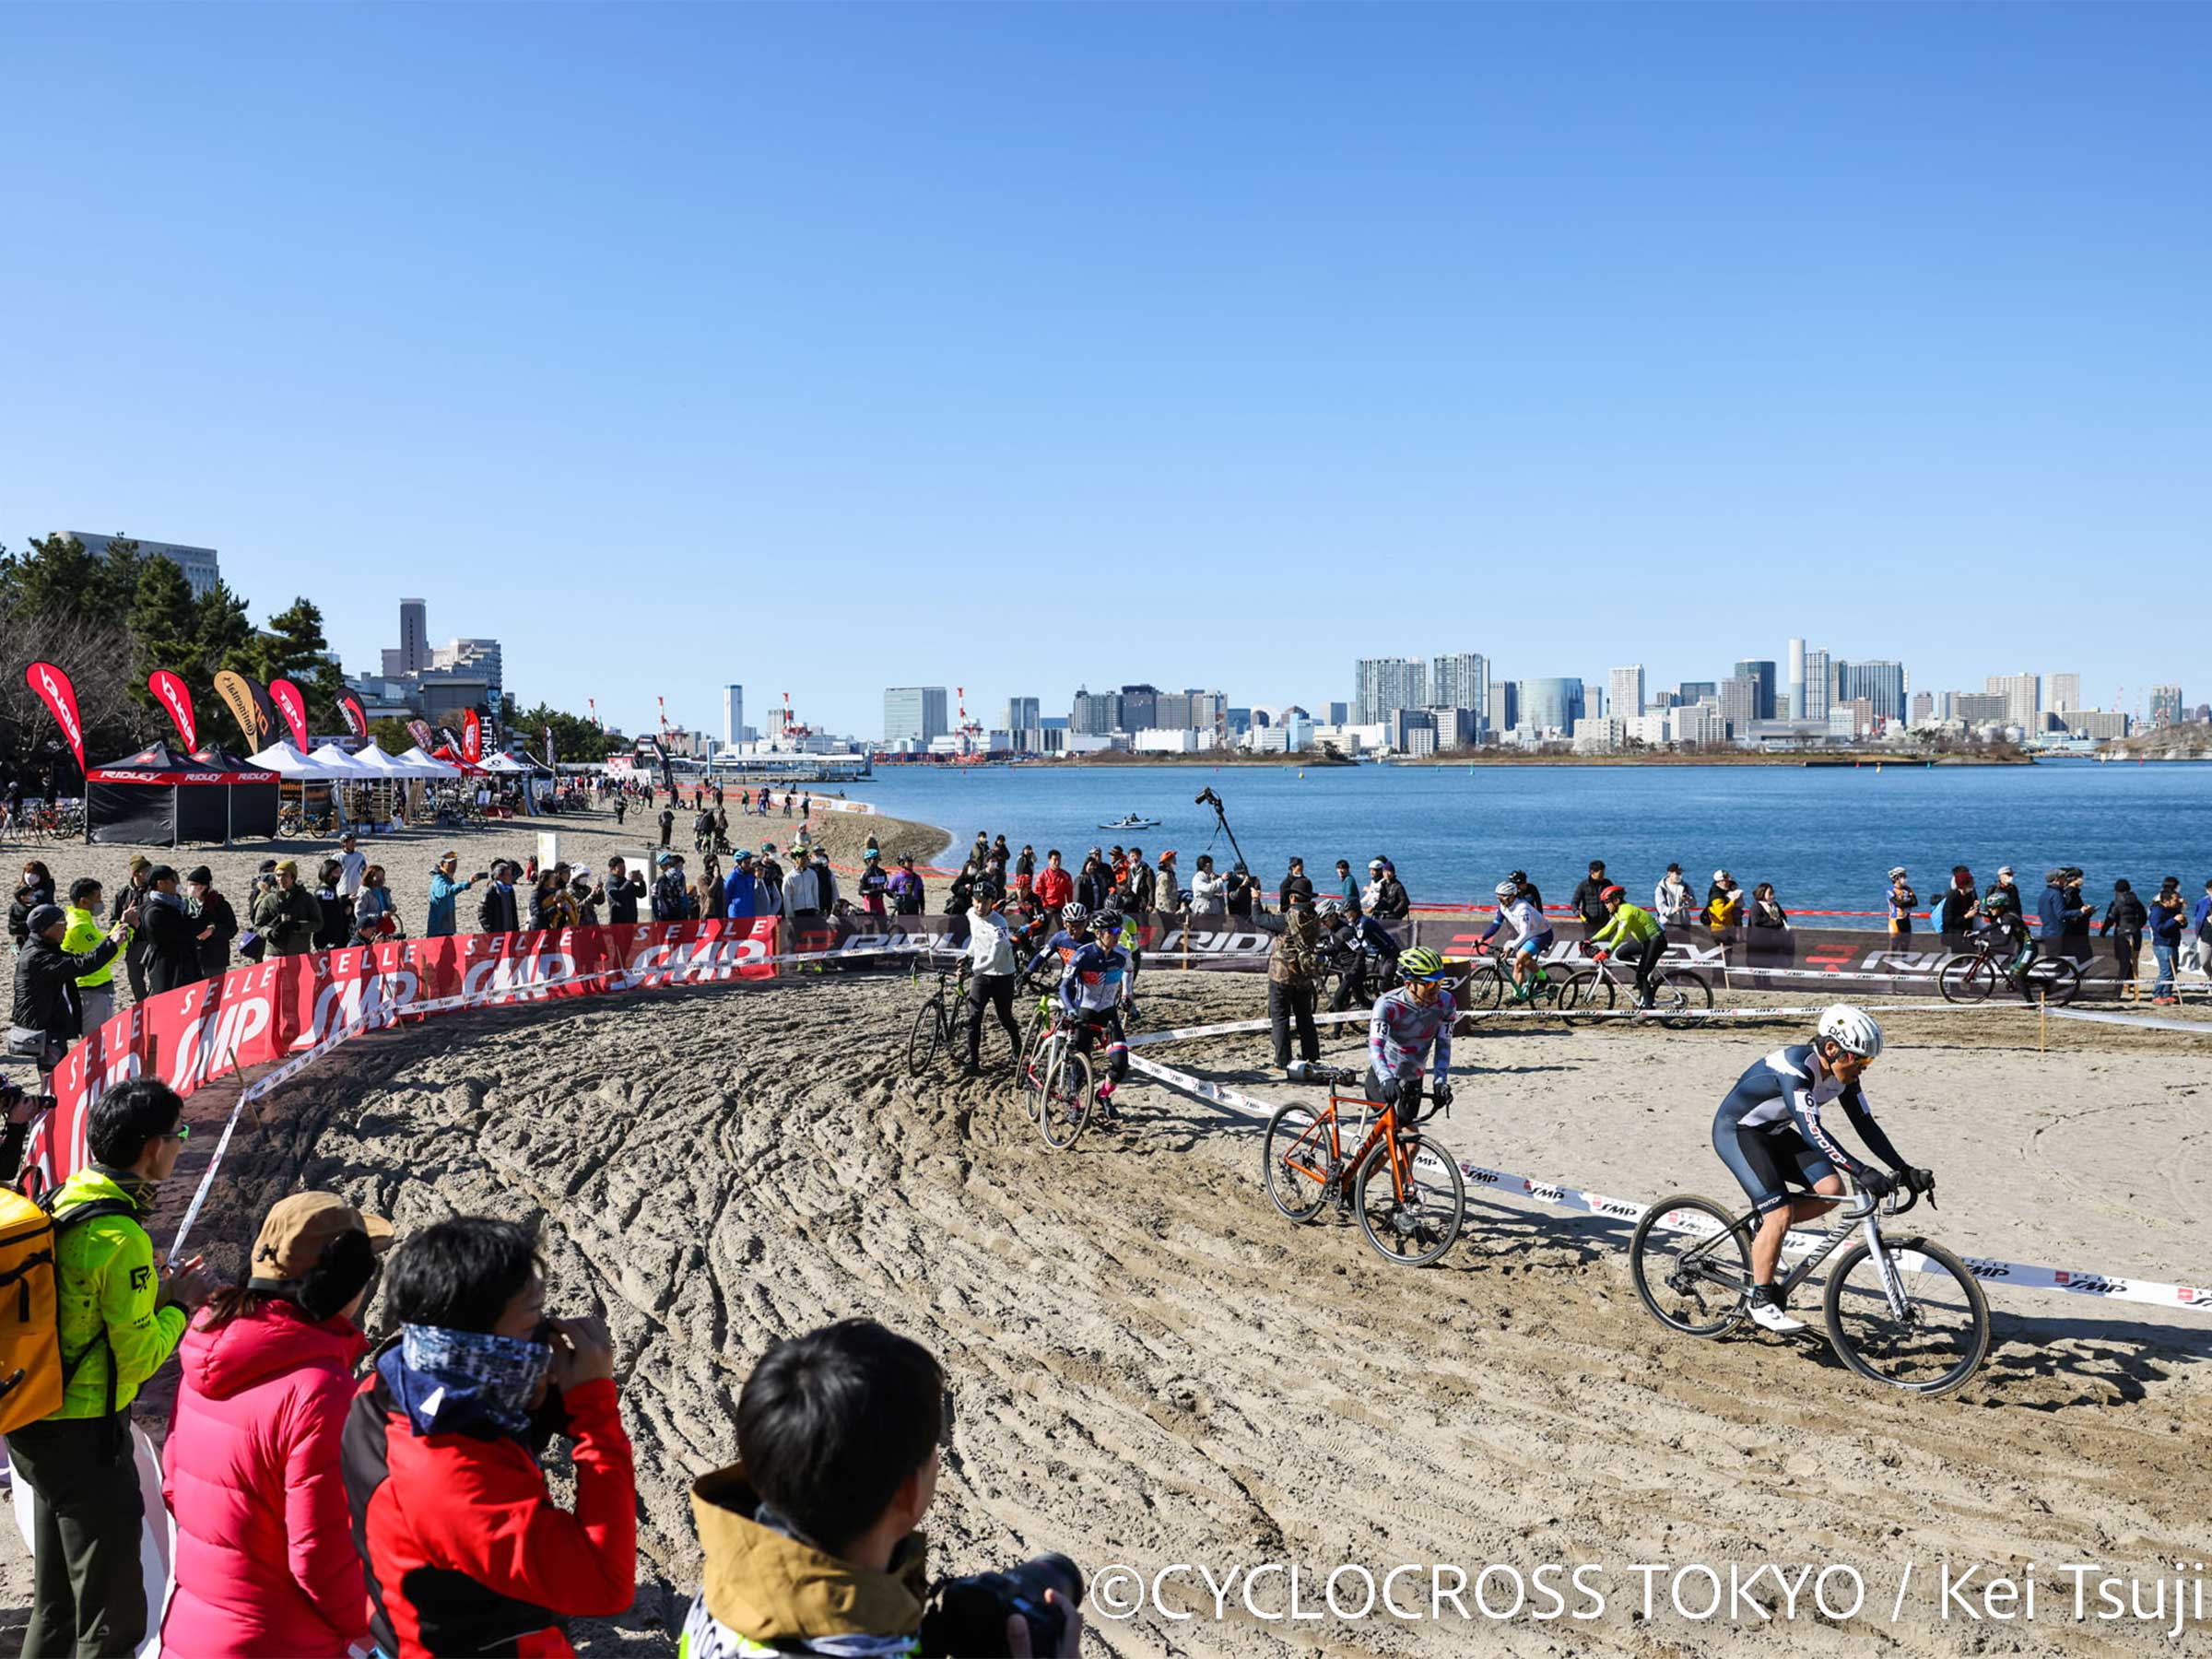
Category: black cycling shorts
[1764,1160]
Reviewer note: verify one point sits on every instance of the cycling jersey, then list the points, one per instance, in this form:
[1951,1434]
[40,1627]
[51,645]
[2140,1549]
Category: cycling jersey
[1779,1099]
[1064,943]
[1362,932]
[1401,1031]
[1628,923]
[1528,924]
[1093,980]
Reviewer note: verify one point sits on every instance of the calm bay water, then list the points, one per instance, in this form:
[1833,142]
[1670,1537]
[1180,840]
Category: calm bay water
[1824,836]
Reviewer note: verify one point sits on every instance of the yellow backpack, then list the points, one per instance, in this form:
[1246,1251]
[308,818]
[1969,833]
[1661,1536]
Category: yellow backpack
[32,1374]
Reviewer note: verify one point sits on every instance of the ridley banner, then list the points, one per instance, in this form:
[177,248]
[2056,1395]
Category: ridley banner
[263,1013]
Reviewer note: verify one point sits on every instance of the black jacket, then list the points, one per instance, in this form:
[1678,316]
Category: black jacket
[622,898]
[214,910]
[46,976]
[1587,901]
[172,952]
[497,912]
[130,893]
[2125,915]
[1291,884]
[28,899]
[1391,903]
[1958,906]
[1143,886]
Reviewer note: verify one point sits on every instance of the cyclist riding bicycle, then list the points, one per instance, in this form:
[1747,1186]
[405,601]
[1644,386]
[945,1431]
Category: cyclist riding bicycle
[1768,1133]
[1633,935]
[1075,933]
[2014,951]
[1348,937]
[1091,991]
[1532,937]
[1407,1024]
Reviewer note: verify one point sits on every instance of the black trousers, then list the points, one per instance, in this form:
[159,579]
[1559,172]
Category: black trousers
[87,1597]
[987,990]
[1647,954]
[1286,1003]
[2127,949]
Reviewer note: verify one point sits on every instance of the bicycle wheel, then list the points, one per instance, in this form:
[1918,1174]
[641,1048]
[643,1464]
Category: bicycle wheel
[1064,1108]
[1415,1228]
[2059,979]
[1486,987]
[1675,1258]
[921,1045]
[1967,979]
[1296,1161]
[1943,1336]
[1586,995]
[1677,996]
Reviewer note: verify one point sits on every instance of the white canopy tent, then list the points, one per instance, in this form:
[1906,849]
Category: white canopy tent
[371,756]
[426,766]
[340,766]
[506,764]
[280,757]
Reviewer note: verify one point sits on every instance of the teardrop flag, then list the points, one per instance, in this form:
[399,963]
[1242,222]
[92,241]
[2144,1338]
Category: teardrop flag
[293,707]
[471,737]
[425,739]
[237,696]
[173,695]
[356,721]
[55,692]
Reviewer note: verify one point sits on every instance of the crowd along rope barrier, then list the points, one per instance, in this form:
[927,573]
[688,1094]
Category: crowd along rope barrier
[2104,1286]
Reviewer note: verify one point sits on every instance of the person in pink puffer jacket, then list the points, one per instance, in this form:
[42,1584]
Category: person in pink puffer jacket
[265,1563]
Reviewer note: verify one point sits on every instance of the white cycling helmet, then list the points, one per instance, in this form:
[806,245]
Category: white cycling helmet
[1506,889]
[1073,916]
[1332,907]
[1852,1030]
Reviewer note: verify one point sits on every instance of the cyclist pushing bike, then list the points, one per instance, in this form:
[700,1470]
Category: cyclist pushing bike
[1633,935]
[1408,1024]
[1074,934]
[1091,993]
[1768,1133]
[1532,937]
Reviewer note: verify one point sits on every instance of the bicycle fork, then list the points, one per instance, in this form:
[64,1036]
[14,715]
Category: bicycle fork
[1893,1286]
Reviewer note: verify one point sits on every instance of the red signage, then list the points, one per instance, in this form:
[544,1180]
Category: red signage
[55,692]
[172,694]
[292,705]
[471,737]
[356,721]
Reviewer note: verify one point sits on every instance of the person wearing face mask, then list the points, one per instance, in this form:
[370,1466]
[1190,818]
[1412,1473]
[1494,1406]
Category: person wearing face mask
[1954,916]
[467,1551]
[1672,901]
[266,1561]
[497,912]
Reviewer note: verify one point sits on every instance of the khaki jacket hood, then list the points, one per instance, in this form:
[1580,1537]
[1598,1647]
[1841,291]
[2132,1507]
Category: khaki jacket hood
[774,1588]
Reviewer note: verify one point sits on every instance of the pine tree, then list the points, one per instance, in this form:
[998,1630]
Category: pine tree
[292,647]
[162,623]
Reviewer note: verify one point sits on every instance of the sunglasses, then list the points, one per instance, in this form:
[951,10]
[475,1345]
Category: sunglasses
[182,1132]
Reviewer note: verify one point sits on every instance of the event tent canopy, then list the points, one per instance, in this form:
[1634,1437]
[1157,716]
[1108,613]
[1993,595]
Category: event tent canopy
[430,765]
[371,756]
[336,764]
[157,794]
[280,757]
[507,764]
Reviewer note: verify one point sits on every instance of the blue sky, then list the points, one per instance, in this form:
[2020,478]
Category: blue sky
[825,349]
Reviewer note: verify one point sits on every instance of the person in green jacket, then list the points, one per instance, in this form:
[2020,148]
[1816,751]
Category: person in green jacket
[96,990]
[119,1321]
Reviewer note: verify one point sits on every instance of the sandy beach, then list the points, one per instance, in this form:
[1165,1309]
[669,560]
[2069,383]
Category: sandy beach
[1151,1365]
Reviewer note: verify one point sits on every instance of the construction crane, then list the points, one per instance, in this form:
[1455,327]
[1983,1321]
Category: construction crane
[970,731]
[792,728]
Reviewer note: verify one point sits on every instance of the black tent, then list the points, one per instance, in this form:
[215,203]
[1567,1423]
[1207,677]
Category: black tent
[159,796]
[255,790]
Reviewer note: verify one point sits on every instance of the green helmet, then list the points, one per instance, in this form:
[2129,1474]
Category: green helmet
[1997,900]
[1420,963]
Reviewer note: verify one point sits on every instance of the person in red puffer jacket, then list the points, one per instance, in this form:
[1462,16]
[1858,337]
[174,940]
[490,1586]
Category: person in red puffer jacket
[265,1562]
[467,1551]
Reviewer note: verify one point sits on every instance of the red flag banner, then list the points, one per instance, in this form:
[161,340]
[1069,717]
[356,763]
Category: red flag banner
[56,692]
[293,707]
[356,721]
[172,694]
[471,737]
[425,739]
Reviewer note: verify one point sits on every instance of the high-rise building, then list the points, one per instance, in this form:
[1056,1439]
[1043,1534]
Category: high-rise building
[472,656]
[1796,679]
[1763,672]
[1022,714]
[1882,684]
[2165,706]
[414,654]
[1456,727]
[1979,708]
[1140,708]
[1624,691]
[1461,680]
[733,714]
[1699,723]
[1095,714]
[914,715]
[1382,684]
[1205,710]
[2022,694]
[1340,713]
[1594,699]
[2061,693]
[1739,704]
[1694,692]
[1410,731]
[202,568]
[1819,688]
[1549,705]
[1504,706]
[1924,707]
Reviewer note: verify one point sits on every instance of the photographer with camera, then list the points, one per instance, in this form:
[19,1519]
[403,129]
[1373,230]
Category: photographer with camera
[467,1551]
[810,1538]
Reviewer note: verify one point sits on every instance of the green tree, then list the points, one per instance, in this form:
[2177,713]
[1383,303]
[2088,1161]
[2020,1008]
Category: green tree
[221,634]
[391,735]
[116,587]
[292,647]
[161,624]
[59,580]
[574,738]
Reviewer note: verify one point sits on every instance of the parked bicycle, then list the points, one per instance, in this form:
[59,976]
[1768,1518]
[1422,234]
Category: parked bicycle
[1903,1312]
[1976,972]
[1678,995]
[1406,1188]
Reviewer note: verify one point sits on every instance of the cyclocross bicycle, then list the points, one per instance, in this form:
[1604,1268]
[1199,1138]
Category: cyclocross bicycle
[1678,995]
[935,1021]
[1057,1083]
[1974,973]
[1904,1311]
[1489,985]
[1406,1188]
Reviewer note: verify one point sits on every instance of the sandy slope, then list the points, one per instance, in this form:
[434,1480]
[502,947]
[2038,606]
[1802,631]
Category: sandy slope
[1152,1367]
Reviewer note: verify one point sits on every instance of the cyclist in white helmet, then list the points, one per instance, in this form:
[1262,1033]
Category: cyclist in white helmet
[1768,1133]
[1532,937]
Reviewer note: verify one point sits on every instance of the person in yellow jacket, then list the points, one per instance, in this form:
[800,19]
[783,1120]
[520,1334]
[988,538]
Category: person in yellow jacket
[96,990]
[119,1321]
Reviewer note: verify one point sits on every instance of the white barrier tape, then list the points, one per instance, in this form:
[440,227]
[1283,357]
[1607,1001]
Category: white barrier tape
[2107,1286]
[2148,1022]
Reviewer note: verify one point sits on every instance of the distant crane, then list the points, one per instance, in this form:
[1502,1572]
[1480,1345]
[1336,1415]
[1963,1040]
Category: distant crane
[792,728]
[968,730]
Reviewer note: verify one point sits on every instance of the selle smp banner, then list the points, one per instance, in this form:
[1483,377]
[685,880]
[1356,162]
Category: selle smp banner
[293,704]
[262,1013]
[59,695]
[172,694]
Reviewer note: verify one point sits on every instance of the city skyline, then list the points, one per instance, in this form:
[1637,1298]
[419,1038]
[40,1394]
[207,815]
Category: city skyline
[1801,313]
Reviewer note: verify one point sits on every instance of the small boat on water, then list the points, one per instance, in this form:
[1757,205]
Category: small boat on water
[1132,822]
